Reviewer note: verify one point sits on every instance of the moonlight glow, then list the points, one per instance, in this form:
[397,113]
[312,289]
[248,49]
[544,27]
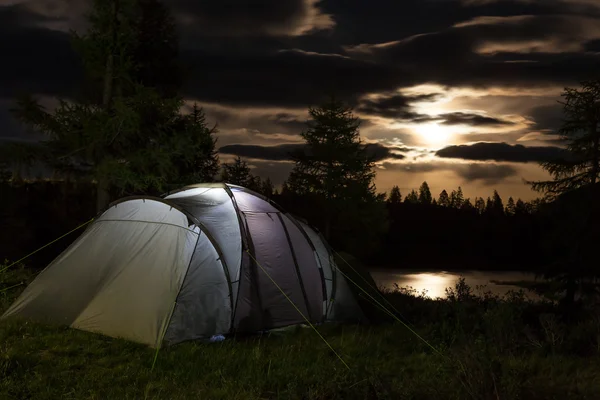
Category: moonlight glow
[433,134]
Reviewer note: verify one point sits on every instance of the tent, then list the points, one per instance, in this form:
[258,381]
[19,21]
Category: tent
[207,259]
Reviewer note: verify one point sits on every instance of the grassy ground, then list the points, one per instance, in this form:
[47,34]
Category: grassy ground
[492,349]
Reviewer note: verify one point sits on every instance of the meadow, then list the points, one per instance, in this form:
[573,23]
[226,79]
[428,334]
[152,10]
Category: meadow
[471,345]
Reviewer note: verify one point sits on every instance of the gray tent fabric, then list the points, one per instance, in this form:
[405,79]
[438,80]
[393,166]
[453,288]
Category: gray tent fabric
[205,293]
[191,264]
[274,254]
[325,261]
[120,278]
[309,273]
[214,209]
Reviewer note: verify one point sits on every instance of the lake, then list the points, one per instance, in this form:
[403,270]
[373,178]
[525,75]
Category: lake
[435,283]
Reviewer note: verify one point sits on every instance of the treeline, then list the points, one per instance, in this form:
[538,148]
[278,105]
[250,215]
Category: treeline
[453,232]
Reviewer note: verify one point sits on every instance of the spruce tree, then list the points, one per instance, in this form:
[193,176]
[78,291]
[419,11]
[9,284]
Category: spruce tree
[395,196]
[444,200]
[425,194]
[336,171]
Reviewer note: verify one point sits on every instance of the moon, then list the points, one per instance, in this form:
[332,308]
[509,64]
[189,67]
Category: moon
[433,134]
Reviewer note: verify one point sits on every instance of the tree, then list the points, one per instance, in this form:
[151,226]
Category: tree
[580,164]
[467,205]
[444,200]
[521,208]
[425,194]
[237,173]
[480,205]
[395,196]
[412,197]
[510,207]
[267,188]
[497,206]
[128,137]
[457,198]
[155,52]
[489,206]
[336,171]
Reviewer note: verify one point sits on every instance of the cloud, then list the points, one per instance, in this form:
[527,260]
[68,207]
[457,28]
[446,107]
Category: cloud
[501,152]
[284,152]
[485,173]
[531,33]
[395,105]
[252,17]
[461,118]
[547,118]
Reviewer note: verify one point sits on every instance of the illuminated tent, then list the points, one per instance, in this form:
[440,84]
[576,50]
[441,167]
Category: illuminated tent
[207,259]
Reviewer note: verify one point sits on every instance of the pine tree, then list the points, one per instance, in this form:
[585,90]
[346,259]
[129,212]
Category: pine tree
[480,205]
[521,207]
[467,205]
[497,204]
[267,188]
[395,196]
[412,197]
[444,200]
[128,137]
[456,198]
[237,173]
[489,206]
[580,133]
[336,168]
[425,194]
[510,207]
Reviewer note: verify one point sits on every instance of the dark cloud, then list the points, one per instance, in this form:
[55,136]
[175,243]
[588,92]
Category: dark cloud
[488,174]
[501,152]
[485,173]
[401,107]
[253,70]
[252,17]
[284,152]
[547,118]
[593,45]
[461,118]
[34,59]
[396,106]
[376,21]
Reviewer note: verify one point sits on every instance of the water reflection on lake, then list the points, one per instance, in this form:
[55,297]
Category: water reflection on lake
[435,283]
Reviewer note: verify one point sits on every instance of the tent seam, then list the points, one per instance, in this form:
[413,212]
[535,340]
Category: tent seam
[300,281]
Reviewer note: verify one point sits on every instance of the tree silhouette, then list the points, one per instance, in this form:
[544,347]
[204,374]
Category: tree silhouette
[425,194]
[497,206]
[521,208]
[467,205]
[337,171]
[267,188]
[574,191]
[237,173]
[489,206]
[480,205]
[412,197]
[510,207]
[456,198]
[395,196]
[580,133]
[127,137]
[444,200]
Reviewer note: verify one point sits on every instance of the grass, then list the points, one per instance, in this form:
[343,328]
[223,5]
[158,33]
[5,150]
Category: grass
[493,348]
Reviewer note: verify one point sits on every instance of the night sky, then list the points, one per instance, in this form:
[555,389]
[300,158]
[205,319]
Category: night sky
[454,92]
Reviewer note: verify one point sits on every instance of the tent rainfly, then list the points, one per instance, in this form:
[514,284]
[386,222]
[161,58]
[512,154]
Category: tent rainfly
[207,259]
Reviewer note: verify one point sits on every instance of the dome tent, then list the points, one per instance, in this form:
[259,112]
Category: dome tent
[204,260]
